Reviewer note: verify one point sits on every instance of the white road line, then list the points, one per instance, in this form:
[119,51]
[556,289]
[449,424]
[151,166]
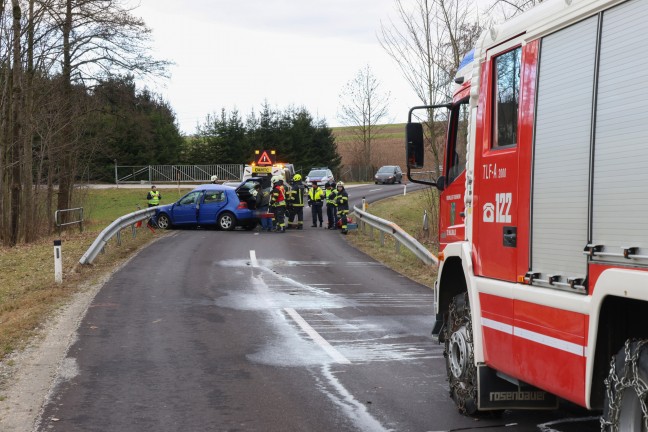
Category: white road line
[319,340]
[374,190]
[253,259]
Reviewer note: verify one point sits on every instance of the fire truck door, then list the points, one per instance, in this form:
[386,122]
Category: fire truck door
[496,171]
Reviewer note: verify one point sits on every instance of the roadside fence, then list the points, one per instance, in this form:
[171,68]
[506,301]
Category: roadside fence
[177,173]
[371,222]
[58,218]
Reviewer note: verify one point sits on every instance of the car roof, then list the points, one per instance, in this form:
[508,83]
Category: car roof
[210,186]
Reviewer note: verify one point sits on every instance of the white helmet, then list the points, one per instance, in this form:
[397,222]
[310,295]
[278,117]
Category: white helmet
[214,178]
[275,179]
[340,184]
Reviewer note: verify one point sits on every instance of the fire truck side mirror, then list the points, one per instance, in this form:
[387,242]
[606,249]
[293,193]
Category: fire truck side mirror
[414,145]
[440,183]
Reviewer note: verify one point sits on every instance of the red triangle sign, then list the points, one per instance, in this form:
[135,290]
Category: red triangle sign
[264,159]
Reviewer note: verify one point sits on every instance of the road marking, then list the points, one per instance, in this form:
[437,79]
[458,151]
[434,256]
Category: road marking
[253,259]
[317,338]
[374,190]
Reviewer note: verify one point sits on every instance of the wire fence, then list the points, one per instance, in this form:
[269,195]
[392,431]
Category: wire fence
[177,173]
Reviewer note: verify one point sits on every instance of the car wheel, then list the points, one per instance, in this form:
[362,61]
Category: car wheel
[459,355]
[226,221]
[163,221]
[625,405]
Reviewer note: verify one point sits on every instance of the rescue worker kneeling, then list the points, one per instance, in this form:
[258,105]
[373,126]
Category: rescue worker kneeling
[278,202]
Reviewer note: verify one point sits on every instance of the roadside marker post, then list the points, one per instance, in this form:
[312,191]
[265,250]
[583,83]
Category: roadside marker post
[58,262]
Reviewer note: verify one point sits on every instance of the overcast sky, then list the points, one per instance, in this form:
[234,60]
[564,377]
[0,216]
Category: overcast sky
[237,54]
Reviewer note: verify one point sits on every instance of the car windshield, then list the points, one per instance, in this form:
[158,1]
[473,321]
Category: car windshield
[386,169]
[317,173]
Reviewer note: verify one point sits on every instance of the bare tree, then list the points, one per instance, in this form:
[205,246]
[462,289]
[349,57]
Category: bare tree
[507,9]
[428,41]
[53,52]
[363,107]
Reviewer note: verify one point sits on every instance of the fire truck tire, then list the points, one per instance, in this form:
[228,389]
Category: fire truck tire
[459,355]
[626,393]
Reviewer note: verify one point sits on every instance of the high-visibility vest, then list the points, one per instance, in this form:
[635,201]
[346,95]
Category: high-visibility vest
[278,197]
[315,195]
[296,195]
[155,198]
[330,197]
[342,200]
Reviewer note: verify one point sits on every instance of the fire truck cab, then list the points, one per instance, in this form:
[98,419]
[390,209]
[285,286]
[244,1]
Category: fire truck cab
[542,289]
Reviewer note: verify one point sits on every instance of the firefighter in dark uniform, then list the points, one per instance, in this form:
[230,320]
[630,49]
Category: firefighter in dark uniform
[295,201]
[278,202]
[342,200]
[315,201]
[331,206]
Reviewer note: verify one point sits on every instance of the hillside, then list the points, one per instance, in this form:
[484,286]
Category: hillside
[387,149]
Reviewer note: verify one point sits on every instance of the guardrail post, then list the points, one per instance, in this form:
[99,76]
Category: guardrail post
[58,262]
[398,247]
[118,238]
[364,204]
[382,238]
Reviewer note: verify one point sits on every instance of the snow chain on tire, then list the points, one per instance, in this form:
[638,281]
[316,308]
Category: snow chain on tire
[463,390]
[626,377]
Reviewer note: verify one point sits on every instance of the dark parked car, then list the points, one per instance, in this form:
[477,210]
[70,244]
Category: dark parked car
[389,174]
[206,205]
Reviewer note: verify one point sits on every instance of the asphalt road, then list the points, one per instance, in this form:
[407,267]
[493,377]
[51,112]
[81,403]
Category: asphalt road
[242,331]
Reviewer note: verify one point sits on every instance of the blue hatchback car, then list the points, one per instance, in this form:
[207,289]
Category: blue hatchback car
[207,205]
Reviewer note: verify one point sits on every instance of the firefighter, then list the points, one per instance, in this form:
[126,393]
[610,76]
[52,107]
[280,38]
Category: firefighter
[342,201]
[295,201]
[278,202]
[315,201]
[331,206]
[153,197]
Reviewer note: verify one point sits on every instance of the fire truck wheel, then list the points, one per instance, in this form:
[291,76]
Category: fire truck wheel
[459,355]
[626,393]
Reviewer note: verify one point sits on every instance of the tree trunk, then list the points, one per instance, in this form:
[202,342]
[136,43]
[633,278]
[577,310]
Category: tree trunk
[15,127]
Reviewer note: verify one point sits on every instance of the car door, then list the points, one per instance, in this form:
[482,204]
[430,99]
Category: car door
[213,202]
[185,210]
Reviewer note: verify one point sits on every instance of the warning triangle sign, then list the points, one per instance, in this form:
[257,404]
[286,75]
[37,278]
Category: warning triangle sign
[264,159]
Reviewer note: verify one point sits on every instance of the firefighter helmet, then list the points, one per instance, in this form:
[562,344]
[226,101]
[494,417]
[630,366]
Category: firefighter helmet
[297,177]
[340,184]
[275,179]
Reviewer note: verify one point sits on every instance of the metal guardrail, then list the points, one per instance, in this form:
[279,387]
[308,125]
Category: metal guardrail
[397,232]
[114,229]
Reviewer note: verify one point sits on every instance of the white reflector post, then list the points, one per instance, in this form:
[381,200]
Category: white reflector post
[58,262]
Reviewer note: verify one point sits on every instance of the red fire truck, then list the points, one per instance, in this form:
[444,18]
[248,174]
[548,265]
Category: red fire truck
[542,289]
